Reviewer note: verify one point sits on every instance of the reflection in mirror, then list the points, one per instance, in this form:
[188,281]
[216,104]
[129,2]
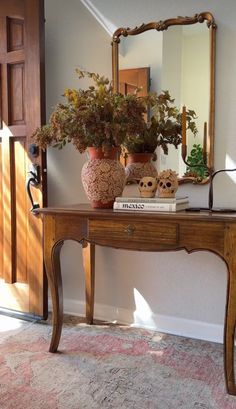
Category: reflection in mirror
[180,60]
[186,73]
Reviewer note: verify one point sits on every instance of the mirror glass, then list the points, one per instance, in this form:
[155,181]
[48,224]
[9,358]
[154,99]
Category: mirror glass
[179,60]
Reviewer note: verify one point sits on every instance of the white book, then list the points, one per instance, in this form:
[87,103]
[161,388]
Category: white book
[138,199]
[150,207]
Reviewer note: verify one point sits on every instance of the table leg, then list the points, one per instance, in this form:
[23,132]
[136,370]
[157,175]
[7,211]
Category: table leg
[89,270]
[53,270]
[229,334]
[230,312]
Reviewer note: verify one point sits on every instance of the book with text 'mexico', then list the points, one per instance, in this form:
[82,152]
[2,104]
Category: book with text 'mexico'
[151,207]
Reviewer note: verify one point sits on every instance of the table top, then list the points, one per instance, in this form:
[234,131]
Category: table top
[86,210]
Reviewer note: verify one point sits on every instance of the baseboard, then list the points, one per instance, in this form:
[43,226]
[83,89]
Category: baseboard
[162,323]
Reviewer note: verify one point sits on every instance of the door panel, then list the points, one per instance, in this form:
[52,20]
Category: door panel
[8,208]
[21,212]
[15,29]
[23,283]
[16,86]
[133,78]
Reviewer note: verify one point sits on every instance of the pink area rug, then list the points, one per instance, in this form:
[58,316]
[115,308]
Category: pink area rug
[108,366]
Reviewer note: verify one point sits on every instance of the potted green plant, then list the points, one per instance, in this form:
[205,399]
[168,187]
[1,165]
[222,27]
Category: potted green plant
[97,120]
[197,167]
[163,127]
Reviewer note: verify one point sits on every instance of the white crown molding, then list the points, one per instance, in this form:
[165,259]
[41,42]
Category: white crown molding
[108,26]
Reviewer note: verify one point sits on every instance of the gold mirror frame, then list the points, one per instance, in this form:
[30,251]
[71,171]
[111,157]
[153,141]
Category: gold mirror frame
[161,26]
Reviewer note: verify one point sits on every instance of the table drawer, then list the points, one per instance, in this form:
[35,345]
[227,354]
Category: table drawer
[139,232]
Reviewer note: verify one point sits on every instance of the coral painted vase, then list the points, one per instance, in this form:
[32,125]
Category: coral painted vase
[139,165]
[103,177]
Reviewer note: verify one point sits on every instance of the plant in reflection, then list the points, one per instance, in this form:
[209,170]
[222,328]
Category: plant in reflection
[163,126]
[197,163]
[94,117]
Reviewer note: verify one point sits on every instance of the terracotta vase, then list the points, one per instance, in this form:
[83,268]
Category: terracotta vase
[103,177]
[138,166]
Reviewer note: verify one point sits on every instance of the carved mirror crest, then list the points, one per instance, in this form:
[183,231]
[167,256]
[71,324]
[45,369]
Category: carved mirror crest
[179,56]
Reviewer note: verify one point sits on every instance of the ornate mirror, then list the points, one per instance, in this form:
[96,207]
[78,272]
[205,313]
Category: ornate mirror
[179,56]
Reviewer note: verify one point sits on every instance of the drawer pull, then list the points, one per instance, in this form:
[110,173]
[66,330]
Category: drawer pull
[130,229]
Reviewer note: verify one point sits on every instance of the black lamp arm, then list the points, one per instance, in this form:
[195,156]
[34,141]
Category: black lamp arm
[211,174]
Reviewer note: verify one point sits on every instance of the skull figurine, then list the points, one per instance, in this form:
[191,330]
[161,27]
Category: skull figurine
[167,183]
[147,186]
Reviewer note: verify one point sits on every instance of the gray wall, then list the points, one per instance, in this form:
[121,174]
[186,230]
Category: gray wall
[175,292]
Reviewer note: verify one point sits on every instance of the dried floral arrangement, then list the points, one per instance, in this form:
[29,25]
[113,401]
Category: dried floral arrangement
[93,117]
[100,118]
[164,126]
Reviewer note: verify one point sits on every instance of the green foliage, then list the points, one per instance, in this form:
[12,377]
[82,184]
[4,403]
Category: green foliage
[197,163]
[92,117]
[164,127]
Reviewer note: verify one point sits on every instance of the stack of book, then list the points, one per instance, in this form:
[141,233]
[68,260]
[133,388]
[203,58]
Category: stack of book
[155,204]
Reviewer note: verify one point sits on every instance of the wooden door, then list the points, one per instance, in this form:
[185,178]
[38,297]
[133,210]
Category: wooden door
[131,79]
[22,280]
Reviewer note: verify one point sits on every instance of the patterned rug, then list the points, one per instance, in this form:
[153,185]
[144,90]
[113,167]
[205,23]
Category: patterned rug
[108,366]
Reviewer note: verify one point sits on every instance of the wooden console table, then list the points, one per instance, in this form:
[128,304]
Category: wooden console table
[144,232]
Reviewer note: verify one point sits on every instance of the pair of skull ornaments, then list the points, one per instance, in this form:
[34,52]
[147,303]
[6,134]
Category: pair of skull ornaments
[166,183]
